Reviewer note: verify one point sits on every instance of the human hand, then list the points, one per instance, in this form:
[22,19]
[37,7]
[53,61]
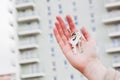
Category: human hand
[63,35]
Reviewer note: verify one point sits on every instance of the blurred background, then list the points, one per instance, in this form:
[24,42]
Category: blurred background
[28,49]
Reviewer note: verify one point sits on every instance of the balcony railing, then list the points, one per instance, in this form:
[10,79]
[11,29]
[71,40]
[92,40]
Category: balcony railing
[29,61]
[28,16]
[25,76]
[28,44]
[112,17]
[114,32]
[25,4]
[113,48]
[32,71]
[110,4]
[27,58]
[115,65]
[29,30]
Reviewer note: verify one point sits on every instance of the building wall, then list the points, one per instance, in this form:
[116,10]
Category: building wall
[39,55]
[8,47]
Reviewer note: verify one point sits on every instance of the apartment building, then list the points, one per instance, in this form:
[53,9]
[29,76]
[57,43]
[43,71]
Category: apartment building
[40,58]
[112,21]
[8,50]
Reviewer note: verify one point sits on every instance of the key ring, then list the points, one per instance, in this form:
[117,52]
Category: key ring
[75,41]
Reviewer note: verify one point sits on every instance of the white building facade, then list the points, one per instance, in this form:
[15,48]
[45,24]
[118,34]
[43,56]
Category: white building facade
[8,42]
[40,58]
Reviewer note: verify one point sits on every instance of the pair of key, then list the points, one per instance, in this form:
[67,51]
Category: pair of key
[76,40]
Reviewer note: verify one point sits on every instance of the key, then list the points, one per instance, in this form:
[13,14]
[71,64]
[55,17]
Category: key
[75,39]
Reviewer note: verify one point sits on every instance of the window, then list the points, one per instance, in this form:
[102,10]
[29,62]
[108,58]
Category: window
[53,63]
[48,8]
[48,0]
[34,68]
[54,78]
[92,20]
[11,24]
[90,1]
[93,29]
[50,21]
[75,17]
[71,76]
[74,3]
[52,49]
[117,27]
[115,55]
[13,51]
[12,37]
[115,42]
[92,15]
[49,13]
[65,62]
[54,69]
[52,54]
[59,6]
[60,11]
[10,11]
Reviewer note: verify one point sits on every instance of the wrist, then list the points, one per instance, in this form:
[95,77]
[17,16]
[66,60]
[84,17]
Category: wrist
[95,70]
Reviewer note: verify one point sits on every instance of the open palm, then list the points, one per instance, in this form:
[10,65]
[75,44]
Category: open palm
[62,34]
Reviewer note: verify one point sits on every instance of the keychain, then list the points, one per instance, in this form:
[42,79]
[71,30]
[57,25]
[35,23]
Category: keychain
[76,40]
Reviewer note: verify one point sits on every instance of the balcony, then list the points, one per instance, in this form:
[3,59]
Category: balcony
[34,75]
[113,48]
[28,46]
[28,57]
[112,17]
[32,71]
[28,43]
[30,30]
[116,65]
[28,16]
[113,33]
[25,4]
[29,61]
[111,4]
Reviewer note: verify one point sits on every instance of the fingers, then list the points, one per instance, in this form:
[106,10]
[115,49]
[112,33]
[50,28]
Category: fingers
[71,24]
[61,33]
[64,28]
[58,38]
[85,33]
[62,41]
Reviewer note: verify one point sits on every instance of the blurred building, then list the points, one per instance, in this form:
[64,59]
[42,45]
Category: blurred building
[8,47]
[112,22]
[40,58]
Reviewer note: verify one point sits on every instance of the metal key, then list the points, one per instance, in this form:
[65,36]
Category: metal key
[75,39]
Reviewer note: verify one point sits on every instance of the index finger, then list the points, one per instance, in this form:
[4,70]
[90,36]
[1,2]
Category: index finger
[71,24]
[63,26]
